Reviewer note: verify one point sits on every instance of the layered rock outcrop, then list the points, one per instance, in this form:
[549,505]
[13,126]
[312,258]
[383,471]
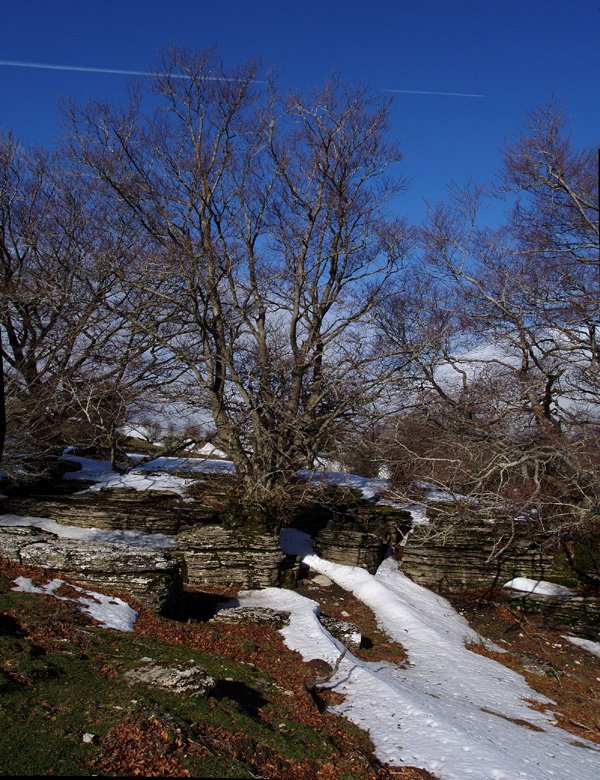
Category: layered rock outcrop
[568,610]
[151,577]
[122,509]
[478,551]
[218,557]
[450,556]
[350,547]
[357,535]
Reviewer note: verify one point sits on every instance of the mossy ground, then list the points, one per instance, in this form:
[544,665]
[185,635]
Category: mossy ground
[61,678]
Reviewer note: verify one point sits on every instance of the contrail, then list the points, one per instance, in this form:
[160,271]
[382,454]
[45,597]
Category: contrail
[113,71]
[152,74]
[423,92]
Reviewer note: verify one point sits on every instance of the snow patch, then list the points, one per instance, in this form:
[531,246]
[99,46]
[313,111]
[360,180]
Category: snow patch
[586,644]
[539,587]
[109,611]
[454,712]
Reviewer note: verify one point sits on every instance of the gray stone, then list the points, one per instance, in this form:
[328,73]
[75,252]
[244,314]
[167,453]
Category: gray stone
[220,557]
[343,630]
[322,580]
[568,610]
[233,615]
[190,679]
[152,577]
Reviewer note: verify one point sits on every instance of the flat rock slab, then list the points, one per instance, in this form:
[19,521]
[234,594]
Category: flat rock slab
[189,679]
[152,577]
[233,615]
[122,509]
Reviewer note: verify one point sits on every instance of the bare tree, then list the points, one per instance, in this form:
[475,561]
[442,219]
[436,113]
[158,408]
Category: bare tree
[64,342]
[267,248]
[502,325]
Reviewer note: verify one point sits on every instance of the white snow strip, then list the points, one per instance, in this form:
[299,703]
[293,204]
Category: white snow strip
[540,587]
[370,487]
[130,538]
[109,611]
[145,476]
[136,480]
[452,711]
[586,644]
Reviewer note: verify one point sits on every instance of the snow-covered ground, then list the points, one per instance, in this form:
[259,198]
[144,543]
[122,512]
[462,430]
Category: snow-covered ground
[153,475]
[452,711]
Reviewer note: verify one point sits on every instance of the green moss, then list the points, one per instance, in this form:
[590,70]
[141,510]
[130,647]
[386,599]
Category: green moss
[55,690]
[576,566]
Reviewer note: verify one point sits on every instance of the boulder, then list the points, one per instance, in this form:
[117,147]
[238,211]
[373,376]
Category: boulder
[343,630]
[152,577]
[341,544]
[219,557]
[573,610]
[233,615]
[187,679]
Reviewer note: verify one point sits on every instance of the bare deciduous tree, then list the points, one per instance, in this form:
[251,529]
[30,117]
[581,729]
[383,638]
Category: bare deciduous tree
[64,342]
[502,327]
[267,248]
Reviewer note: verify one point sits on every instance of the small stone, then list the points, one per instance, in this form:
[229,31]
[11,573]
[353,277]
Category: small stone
[90,739]
[346,632]
[323,580]
[193,681]
[276,618]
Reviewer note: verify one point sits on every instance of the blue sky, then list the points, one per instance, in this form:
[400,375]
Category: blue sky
[519,54]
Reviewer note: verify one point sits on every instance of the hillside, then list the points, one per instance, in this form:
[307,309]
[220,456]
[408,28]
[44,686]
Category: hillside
[64,678]
[350,674]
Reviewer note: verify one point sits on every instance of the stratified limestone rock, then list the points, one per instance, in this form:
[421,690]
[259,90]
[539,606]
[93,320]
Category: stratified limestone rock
[216,557]
[151,577]
[568,610]
[121,509]
[448,555]
[341,544]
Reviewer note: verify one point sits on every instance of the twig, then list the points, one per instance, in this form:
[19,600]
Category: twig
[322,680]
